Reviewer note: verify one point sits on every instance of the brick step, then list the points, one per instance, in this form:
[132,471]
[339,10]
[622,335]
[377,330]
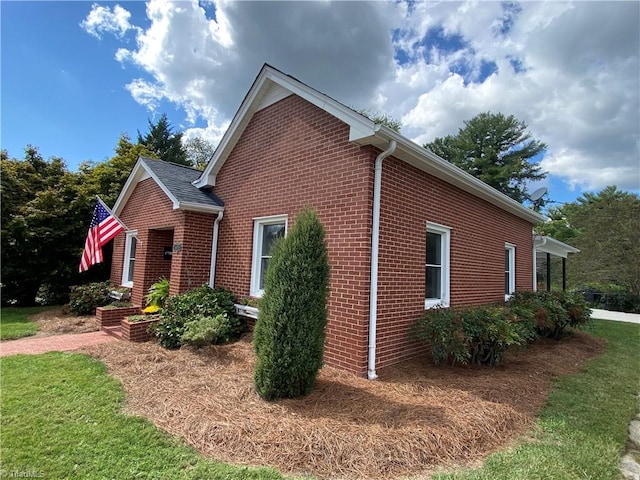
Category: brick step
[114,331]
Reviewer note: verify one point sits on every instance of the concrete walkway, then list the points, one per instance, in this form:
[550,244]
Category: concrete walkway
[59,343]
[615,316]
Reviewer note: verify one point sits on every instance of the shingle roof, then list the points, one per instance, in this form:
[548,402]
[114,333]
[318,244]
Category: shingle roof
[178,180]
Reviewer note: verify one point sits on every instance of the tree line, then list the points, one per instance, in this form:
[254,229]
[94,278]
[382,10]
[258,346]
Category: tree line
[46,208]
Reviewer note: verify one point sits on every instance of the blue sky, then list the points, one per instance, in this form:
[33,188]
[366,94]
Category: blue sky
[75,75]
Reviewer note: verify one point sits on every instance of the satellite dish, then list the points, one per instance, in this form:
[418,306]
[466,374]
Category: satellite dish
[538,194]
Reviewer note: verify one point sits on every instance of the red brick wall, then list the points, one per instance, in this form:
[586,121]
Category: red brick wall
[479,230]
[151,213]
[192,264]
[293,154]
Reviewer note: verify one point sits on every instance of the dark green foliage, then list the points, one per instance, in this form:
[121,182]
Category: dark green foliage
[84,299]
[604,226]
[479,335]
[553,312]
[290,332]
[164,143]
[208,331]
[195,305]
[610,297]
[497,149]
[483,335]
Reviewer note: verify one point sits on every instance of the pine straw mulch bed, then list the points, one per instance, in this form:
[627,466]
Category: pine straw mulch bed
[55,322]
[415,419]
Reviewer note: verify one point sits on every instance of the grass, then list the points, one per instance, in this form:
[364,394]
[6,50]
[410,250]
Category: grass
[582,431]
[61,418]
[15,323]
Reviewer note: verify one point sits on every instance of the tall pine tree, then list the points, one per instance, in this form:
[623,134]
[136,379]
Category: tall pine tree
[162,141]
[496,149]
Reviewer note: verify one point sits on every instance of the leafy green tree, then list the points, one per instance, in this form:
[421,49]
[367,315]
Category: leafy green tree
[497,149]
[608,238]
[44,223]
[557,226]
[199,152]
[107,178]
[290,332]
[163,142]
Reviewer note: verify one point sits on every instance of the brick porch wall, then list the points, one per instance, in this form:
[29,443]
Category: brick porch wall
[479,230]
[293,154]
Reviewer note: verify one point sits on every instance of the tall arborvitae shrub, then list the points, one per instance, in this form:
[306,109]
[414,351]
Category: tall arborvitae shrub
[290,331]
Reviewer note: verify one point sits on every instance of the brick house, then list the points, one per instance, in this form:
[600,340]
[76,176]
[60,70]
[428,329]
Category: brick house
[406,230]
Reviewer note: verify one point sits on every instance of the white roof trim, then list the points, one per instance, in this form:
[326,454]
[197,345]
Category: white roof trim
[363,132]
[267,78]
[140,171]
[555,247]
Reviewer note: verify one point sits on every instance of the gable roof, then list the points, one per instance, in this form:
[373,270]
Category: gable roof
[176,181]
[272,85]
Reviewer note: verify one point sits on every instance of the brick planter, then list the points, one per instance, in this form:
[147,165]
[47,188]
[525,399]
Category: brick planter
[111,317]
[137,331]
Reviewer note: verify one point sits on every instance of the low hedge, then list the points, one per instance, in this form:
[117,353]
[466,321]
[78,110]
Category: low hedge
[188,318]
[482,335]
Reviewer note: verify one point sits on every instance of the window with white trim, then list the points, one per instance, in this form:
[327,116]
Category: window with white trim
[436,276]
[130,246]
[509,270]
[266,230]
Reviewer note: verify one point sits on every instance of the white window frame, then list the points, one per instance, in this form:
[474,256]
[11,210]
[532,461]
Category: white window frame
[445,267]
[512,269]
[256,263]
[127,258]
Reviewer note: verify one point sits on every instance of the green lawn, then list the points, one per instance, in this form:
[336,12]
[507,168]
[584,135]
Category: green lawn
[14,322]
[61,419]
[581,432]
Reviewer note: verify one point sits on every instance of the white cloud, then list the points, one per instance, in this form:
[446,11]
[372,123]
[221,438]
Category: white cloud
[106,20]
[577,85]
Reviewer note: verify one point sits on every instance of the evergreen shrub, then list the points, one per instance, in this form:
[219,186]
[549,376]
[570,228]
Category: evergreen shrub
[196,305]
[290,332]
[84,299]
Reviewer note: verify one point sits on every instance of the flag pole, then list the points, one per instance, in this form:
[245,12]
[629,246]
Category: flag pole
[112,214]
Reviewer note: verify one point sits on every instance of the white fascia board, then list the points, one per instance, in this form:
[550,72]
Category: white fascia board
[429,162]
[197,207]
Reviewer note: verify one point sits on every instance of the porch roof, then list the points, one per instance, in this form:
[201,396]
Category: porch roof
[546,244]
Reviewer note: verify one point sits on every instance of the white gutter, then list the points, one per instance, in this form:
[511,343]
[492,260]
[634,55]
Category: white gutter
[375,242]
[214,248]
[535,259]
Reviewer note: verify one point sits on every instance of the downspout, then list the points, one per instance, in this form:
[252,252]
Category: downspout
[375,243]
[214,249]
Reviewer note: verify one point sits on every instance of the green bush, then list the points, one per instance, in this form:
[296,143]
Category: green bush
[194,305]
[158,293]
[84,299]
[553,312]
[290,331]
[479,335]
[442,328]
[207,331]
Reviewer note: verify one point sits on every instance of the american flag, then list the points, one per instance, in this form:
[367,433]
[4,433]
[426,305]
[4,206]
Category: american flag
[104,226]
